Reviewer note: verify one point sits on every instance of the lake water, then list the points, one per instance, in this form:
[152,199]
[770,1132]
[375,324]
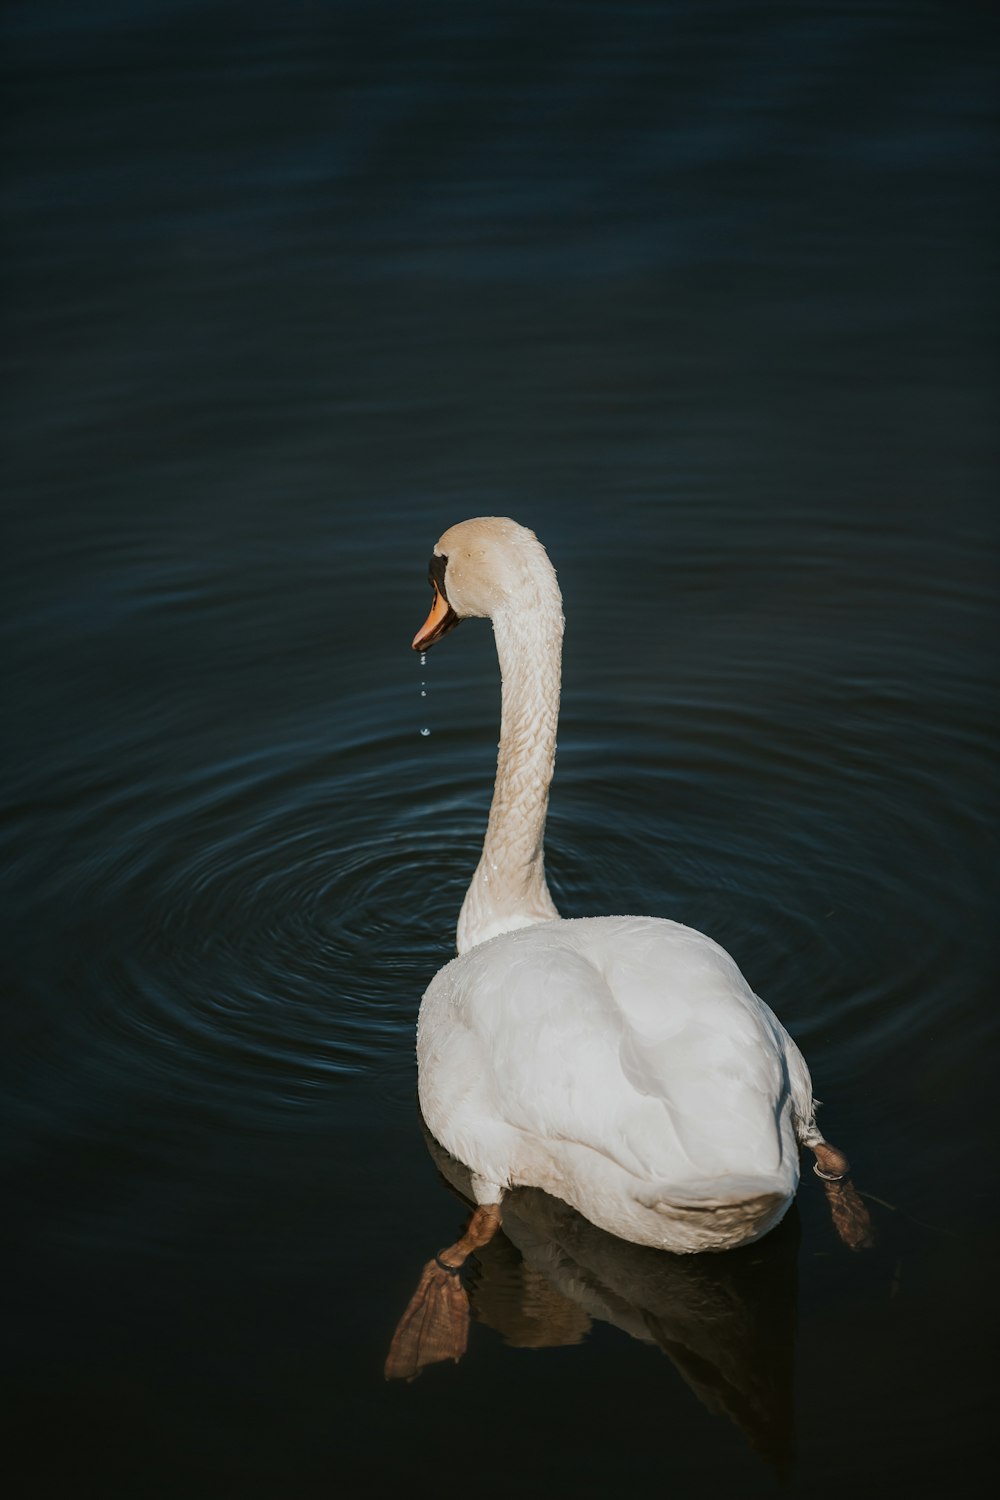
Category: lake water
[701,292]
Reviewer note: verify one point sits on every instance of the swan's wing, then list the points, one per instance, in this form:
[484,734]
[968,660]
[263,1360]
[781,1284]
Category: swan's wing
[699,1044]
[634,1038]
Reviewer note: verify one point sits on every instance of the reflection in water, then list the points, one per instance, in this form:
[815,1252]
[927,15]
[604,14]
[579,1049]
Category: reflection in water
[726,1321]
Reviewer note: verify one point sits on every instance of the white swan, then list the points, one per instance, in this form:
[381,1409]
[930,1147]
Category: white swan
[621,1063]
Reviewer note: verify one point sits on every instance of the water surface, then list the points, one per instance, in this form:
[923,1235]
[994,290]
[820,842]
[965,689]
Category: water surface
[703,294]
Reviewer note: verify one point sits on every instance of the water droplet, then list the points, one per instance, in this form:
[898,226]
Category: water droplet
[423,658]
[422,693]
[425,732]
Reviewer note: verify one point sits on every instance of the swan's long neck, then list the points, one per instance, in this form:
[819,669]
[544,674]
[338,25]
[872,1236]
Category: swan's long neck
[508,889]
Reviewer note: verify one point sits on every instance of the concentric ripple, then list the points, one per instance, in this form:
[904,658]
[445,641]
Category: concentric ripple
[248,934]
[263,928]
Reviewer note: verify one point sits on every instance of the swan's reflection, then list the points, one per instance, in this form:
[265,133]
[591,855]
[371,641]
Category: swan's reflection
[726,1321]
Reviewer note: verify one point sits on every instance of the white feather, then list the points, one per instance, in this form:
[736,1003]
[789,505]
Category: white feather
[620,1063]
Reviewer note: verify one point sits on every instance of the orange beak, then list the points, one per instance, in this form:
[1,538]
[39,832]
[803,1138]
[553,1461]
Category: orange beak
[441,619]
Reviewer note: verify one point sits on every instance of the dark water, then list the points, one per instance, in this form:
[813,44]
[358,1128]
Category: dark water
[705,293]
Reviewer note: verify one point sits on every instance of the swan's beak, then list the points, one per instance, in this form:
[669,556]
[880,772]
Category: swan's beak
[441,619]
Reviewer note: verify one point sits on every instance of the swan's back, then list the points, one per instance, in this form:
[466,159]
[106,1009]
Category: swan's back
[624,1064]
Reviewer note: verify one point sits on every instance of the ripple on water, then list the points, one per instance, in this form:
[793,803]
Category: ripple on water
[824,858]
[264,926]
[260,928]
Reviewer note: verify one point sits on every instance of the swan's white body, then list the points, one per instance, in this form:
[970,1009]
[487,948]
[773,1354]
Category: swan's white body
[622,1064]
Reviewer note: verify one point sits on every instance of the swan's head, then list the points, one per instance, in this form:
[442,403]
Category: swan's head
[479,567]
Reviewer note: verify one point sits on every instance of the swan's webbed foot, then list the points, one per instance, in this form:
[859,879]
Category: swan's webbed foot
[851,1219]
[830,1163]
[435,1325]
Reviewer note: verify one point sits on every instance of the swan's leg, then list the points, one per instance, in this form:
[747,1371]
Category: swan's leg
[480,1229]
[435,1325]
[830,1163]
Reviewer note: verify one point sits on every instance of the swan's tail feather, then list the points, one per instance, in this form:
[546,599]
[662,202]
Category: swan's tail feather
[725,1218]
